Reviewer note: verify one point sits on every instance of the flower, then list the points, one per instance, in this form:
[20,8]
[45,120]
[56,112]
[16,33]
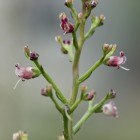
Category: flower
[89,96]
[20,135]
[68,2]
[117,61]
[94,3]
[34,56]
[25,73]
[110,109]
[47,91]
[65,25]
[111,94]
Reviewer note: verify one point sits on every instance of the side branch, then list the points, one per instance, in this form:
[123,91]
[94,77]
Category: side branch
[49,79]
[89,72]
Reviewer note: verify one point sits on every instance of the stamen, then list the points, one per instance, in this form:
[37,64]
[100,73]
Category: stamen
[124,68]
[16,84]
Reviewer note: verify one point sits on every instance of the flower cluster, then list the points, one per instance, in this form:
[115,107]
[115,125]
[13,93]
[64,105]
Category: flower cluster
[73,47]
[65,25]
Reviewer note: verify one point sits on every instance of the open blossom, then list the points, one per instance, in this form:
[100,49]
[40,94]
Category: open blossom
[117,61]
[110,109]
[65,25]
[25,73]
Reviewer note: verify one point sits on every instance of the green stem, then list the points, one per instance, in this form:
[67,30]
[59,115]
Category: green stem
[56,104]
[49,79]
[89,72]
[67,128]
[74,12]
[75,105]
[87,114]
[75,43]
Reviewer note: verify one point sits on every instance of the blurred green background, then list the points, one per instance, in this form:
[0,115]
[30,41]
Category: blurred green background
[35,23]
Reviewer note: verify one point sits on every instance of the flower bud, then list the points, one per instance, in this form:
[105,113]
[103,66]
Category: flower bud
[94,3]
[102,18]
[68,2]
[47,91]
[83,89]
[89,96]
[21,135]
[65,25]
[58,39]
[110,109]
[80,16]
[106,48]
[111,94]
[27,51]
[34,56]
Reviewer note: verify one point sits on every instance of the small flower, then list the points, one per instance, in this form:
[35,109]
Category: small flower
[65,25]
[89,96]
[110,109]
[108,48]
[102,18]
[47,91]
[94,3]
[68,2]
[34,56]
[111,94]
[83,89]
[25,73]
[58,39]
[20,135]
[117,61]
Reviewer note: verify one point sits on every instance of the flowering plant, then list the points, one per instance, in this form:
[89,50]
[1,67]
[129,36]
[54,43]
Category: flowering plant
[73,48]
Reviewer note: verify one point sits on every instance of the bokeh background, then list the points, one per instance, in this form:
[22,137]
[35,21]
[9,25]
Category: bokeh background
[35,23]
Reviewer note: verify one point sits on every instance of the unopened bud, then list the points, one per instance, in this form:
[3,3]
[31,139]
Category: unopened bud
[80,16]
[21,135]
[83,89]
[47,91]
[106,48]
[102,18]
[58,39]
[94,3]
[68,2]
[34,56]
[27,51]
[111,94]
[89,96]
